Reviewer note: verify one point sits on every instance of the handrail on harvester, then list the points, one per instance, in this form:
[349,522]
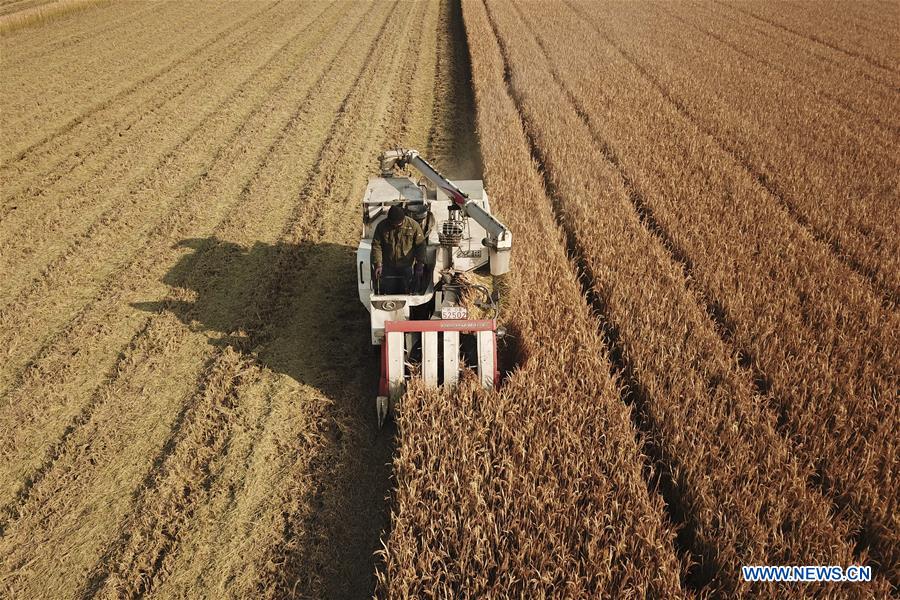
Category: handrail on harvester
[459,325]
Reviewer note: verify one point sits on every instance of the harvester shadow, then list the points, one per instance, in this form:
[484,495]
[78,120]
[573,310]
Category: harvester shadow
[293,309]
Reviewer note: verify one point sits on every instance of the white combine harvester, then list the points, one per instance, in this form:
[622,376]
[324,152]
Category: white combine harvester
[429,330]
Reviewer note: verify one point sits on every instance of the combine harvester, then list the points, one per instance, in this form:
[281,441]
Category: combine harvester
[432,329]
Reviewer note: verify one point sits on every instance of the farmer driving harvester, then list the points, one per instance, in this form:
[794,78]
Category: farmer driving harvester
[398,253]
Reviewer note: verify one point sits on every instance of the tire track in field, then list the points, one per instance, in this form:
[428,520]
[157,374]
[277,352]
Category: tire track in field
[865,17]
[171,514]
[237,477]
[74,209]
[63,525]
[169,319]
[111,228]
[12,511]
[290,262]
[79,77]
[867,274]
[351,473]
[35,173]
[201,429]
[166,230]
[300,537]
[814,38]
[446,144]
[233,21]
[111,297]
[36,182]
[281,138]
[121,94]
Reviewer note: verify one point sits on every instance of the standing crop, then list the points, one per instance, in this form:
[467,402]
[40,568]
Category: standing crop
[755,353]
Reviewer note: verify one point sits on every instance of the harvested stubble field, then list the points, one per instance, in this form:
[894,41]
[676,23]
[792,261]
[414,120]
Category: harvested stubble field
[702,307]
[186,379]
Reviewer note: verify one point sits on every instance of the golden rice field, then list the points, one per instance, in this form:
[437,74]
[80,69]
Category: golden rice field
[704,354]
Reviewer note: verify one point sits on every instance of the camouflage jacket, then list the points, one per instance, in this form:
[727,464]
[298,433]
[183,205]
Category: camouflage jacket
[398,246]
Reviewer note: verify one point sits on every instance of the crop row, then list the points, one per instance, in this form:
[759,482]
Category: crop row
[817,336]
[866,35]
[821,343]
[742,494]
[765,46]
[839,181]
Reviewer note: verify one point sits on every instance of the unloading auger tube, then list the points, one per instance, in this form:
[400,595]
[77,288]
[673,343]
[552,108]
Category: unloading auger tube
[429,331]
[499,238]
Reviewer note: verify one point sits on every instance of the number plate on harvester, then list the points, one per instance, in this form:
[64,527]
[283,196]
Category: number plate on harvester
[454,312]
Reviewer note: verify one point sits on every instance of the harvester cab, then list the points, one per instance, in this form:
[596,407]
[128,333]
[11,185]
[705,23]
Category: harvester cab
[447,320]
